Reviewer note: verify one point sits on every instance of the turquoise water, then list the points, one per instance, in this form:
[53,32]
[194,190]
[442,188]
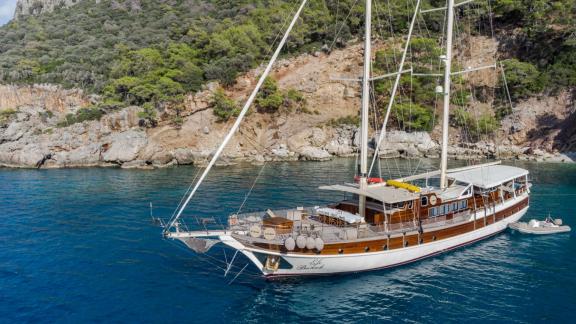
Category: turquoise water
[78,246]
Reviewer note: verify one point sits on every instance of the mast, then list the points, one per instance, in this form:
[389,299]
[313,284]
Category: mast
[365,107]
[446,111]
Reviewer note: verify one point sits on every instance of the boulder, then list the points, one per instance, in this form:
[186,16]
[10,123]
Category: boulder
[421,140]
[317,136]
[338,148]
[122,120]
[125,146]
[88,154]
[183,156]
[162,158]
[136,164]
[310,153]
[15,131]
[282,153]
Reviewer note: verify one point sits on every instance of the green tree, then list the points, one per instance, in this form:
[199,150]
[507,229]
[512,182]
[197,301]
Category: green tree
[269,98]
[148,115]
[413,117]
[523,79]
[224,107]
[485,125]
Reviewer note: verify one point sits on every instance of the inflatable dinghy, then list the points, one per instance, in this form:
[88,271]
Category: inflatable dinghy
[547,226]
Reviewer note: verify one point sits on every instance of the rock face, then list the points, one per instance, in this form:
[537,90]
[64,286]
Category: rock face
[37,7]
[400,143]
[30,137]
[311,153]
[125,146]
[43,97]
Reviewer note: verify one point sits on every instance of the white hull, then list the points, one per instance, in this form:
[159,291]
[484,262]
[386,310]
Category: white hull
[332,264]
[524,228]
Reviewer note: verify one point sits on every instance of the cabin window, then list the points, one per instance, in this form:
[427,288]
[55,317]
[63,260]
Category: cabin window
[409,205]
[395,205]
[432,212]
[447,208]
[463,204]
[455,206]
[424,201]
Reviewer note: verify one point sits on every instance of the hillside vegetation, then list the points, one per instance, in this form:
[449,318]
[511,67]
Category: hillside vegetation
[150,52]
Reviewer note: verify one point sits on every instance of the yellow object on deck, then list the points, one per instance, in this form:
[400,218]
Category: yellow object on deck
[403,185]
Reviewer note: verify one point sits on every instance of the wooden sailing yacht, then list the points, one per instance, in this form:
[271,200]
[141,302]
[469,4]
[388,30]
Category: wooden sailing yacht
[380,223]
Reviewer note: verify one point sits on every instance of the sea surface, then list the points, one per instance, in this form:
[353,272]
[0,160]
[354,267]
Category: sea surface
[78,245]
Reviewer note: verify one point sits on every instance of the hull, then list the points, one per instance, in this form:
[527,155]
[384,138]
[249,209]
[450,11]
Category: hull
[306,265]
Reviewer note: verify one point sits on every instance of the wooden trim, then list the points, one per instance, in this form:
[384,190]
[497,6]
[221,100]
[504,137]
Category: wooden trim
[398,242]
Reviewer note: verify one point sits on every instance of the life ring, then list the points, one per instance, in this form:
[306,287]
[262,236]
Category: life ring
[255,231]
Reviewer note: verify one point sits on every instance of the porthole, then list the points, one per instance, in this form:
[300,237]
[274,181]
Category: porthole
[366,249]
[340,251]
[434,238]
[385,247]
[424,201]
[406,244]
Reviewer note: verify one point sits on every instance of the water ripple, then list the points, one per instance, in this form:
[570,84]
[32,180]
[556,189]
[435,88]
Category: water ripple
[78,246]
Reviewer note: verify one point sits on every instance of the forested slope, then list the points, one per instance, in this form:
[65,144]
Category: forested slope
[174,46]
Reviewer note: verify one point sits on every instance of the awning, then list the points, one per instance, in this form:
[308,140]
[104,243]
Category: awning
[489,176]
[386,194]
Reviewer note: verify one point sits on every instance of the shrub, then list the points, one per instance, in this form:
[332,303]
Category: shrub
[83,114]
[89,113]
[269,103]
[563,72]
[460,97]
[270,99]
[295,98]
[148,114]
[6,115]
[485,125]
[224,107]
[460,118]
[177,121]
[523,79]
[346,120]
[413,117]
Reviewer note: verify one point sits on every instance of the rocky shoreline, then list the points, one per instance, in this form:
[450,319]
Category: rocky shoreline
[117,140]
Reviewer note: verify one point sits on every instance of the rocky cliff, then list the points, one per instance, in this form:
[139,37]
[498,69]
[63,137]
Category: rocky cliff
[37,7]
[31,126]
